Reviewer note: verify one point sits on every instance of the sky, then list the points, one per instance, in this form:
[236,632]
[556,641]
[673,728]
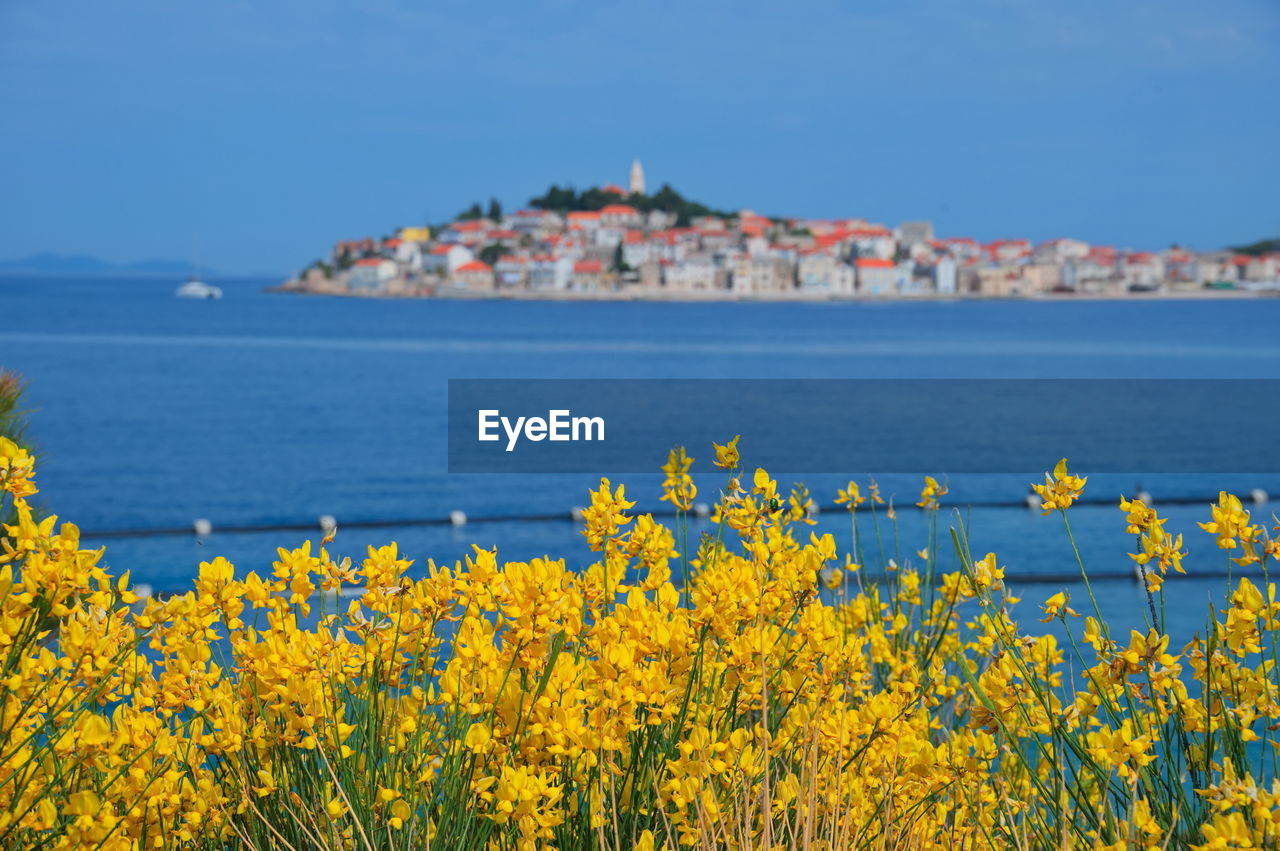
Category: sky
[249,136]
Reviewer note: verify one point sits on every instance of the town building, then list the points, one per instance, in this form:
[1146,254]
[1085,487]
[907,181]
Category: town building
[475,276]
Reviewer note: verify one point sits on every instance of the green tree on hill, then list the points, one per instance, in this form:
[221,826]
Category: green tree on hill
[491,252]
[620,263]
[1262,246]
[666,199]
[557,199]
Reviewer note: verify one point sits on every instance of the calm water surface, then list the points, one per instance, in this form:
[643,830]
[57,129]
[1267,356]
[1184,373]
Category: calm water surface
[151,411]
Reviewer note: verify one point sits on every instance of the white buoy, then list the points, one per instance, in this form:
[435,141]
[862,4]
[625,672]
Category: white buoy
[1260,496]
[142,591]
[1033,501]
[577,514]
[327,523]
[458,518]
[701,509]
[202,527]
[1145,496]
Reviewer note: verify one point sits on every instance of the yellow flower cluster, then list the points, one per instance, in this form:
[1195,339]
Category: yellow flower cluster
[526,705]
[1060,490]
[1159,549]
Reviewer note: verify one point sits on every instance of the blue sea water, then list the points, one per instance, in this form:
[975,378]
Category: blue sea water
[150,411]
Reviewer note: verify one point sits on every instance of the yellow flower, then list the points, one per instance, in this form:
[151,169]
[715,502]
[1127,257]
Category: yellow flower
[801,506]
[606,516]
[727,455]
[931,493]
[1139,517]
[1122,749]
[532,704]
[987,573]
[850,496]
[16,469]
[1230,524]
[1162,549]
[873,493]
[478,739]
[763,485]
[267,783]
[1056,606]
[400,813]
[678,488]
[1060,490]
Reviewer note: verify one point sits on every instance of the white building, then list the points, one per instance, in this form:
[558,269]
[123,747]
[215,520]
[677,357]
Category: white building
[371,274]
[511,272]
[944,276]
[915,233]
[692,275]
[873,241]
[545,272]
[445,259]
[876,276]
[1061,251]
[760,273]
[534,223]
[822,273]
[409,255]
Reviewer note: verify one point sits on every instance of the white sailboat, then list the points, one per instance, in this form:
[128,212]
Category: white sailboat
[195,288]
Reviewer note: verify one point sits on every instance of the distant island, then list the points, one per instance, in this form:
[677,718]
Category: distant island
[53,265]
[607,242]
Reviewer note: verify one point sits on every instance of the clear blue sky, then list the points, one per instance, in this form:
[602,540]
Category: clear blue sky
[254,134]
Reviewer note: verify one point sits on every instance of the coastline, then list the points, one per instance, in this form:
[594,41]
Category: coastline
[712,296]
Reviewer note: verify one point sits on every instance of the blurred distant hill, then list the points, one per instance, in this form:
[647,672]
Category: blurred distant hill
[52,265]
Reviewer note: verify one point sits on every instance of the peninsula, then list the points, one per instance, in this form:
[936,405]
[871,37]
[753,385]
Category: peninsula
[608,242]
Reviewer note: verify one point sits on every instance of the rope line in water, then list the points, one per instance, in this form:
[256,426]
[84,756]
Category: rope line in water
[203,528]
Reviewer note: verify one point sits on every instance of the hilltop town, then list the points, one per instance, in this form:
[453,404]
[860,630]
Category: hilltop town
[611,242]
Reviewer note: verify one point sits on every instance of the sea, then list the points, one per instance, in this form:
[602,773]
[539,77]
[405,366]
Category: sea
[263,409]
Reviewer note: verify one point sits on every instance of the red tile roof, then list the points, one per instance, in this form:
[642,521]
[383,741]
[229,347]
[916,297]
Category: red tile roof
[588,267]
[474,266]
[873,263]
